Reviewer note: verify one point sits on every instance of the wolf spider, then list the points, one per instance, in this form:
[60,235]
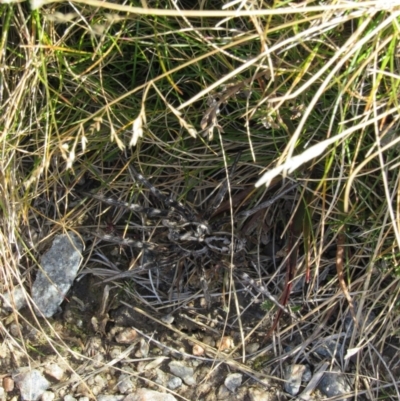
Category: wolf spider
[180,238]
[179,232]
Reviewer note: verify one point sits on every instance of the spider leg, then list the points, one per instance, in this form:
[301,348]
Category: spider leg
[222,191]
[129,242]
[185,212]
[148,211]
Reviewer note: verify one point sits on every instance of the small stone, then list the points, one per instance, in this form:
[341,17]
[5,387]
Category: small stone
[15,329]
[174,383]
[197,350]
[69,397]
[184,372]
[126,336]
[60,265]
[233,381]
[14,299]
[252,348]
[8,384]
[31,384]
[329,348]
[125,384]
[48,396]
[307,374]
[144,348]
[334,383]
[293,376]
[203,303]
[161,377]
[115,352]
[168,319]
[225,344]
[54,371]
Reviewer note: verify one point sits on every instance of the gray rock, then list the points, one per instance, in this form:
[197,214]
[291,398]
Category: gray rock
[252,348]
[307,374]
[125,384]
[161,377]
[60,265]
[31,384]
[329,349]
[334,383]
[69,397]
[14,299]
[293,376]
[233,381]
[143,394]
[184,372]
[174,383]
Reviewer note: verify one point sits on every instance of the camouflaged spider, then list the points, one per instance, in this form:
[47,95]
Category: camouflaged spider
[180,232]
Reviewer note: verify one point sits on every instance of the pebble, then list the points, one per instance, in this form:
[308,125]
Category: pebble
[307,374]
[53,370]
[226,343]
[125,384]
[184,372]
[144,348]
[233,381]
[174,383]
[161,377]
[334,383]
[197,350]
[252,348]
[8,384]
[115,352]
[293,375]
[329,348]
[48,396]
[169,319]
[126,336]
[31,384]
[69,397]
[59,267]
[15,299]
